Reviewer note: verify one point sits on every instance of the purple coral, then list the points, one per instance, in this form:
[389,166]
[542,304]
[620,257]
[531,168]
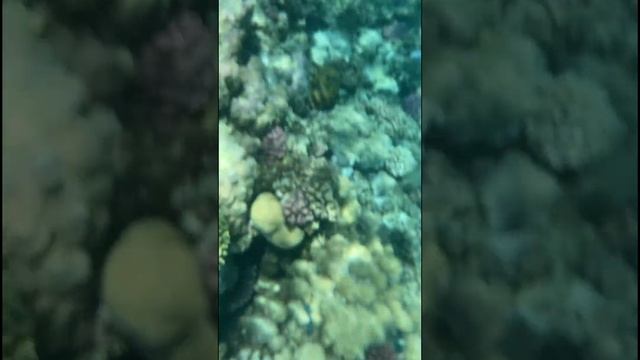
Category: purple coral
[381,352]
[395,30]
[296,209]
[178,68]
[274,144]
[412,105]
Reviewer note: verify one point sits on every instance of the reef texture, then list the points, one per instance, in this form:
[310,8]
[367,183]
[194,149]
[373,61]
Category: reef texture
[88,96]
[176,68]
[315,143]
[59,158]
[530,161]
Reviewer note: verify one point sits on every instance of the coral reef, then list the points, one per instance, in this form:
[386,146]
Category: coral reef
[519,117]
[176,69]
[83,159]
[412,105]
[350,14]
[164,303]
[104,68]
[325,86]
[576,125]
[17,341]
[296,208]
[274,144]
[328,47]
[268,217]
[334,190]
[60,156]
[307,193]
[380,352]
[236,170]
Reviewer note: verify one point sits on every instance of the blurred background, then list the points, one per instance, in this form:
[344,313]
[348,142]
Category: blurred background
[529,187]
[108,132]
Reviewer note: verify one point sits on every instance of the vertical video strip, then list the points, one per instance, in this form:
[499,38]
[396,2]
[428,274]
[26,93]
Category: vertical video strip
[530,180]
[109,199]
[319,179]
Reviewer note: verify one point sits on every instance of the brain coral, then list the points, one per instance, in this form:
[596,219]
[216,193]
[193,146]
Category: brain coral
[151,283]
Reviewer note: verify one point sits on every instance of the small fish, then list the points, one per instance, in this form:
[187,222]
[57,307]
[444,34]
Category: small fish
[416,55]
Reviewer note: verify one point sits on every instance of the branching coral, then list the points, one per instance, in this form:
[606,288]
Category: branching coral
[308,192]
[296,208]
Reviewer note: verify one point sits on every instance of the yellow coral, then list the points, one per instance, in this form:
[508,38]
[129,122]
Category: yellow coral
[268,218]
[266,213]
[350,212]
[151,284]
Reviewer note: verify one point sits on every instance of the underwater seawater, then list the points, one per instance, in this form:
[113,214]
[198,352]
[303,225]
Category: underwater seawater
[319,180]
[109,195]
[530,180]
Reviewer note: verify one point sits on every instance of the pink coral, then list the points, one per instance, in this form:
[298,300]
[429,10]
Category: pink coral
[296,209]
